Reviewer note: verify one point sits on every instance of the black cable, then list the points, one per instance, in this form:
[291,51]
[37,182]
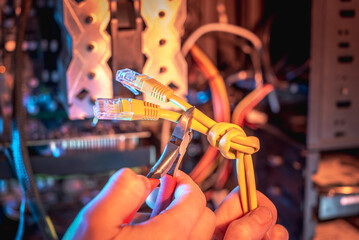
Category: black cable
[21,161]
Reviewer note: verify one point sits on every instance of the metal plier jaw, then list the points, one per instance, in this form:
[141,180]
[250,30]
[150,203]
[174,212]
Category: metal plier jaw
[175,149]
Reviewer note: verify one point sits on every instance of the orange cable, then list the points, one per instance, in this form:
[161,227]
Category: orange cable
[249,102]
[221,109]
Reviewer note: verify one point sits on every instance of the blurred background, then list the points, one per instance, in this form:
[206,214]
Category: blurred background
[57,57]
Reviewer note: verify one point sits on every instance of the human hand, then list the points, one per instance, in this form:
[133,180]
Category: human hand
[187,217]
[257,224]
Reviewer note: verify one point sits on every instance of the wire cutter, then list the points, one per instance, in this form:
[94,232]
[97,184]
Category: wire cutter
[169,162]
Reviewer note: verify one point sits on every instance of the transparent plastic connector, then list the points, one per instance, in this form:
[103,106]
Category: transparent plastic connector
[112,109]
[125,109]
[131,79]
[137,82]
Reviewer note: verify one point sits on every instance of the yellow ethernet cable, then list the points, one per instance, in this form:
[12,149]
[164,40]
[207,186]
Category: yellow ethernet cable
[229,138]
[125,109]
[134,109]
[136,82]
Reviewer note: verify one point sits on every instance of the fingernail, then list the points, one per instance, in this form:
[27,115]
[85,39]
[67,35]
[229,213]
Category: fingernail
[262,215]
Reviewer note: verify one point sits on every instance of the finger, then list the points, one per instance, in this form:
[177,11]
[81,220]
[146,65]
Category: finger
[253,225]
[279,233]
[151,199]
[178,220]
[204,228]
[230,210]
[264,201]
[124,192]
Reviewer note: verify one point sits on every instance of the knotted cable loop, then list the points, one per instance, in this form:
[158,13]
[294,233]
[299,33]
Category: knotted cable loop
[229,138]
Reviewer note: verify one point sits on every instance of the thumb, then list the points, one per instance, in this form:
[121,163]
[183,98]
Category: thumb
[125,192]
[254,225]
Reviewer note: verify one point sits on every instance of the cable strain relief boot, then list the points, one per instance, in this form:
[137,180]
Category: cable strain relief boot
[155,89]
[151,111]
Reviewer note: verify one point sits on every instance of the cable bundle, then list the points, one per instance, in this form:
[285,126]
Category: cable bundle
[230,139]
[220,136]
[222,133]
[17,154]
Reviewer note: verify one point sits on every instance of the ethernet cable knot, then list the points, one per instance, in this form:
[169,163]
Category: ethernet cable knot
[229,138]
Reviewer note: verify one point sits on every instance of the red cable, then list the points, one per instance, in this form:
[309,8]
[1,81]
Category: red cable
[154,184]
[165,194]
[254,102]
